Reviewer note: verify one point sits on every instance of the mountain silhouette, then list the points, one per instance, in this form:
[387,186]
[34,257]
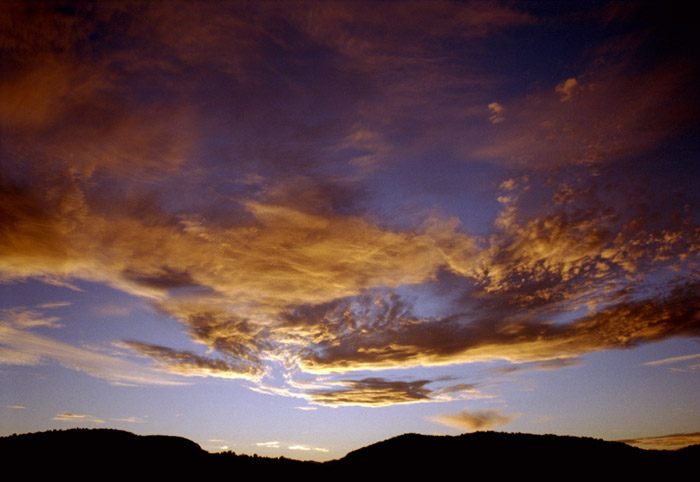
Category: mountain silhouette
[89,453]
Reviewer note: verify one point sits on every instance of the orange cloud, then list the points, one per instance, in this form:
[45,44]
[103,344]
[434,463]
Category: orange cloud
[472,421]
[75,417]
[609,113]
[567,89]
[665,442]
[247,229]
[496,113]
[286,256]
[315,290]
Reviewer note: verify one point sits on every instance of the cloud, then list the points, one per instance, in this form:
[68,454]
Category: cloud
[19,346]
[73,106]
[273,444]
[189,364]
[496,113]
[57,304]
[268,220]
[555,364]
[318,290]
[508,335]
[373,392]
[130,419]
[73,417]
[567,89]
[472,421]
[280,256]
[9,356]
[677,360]
[672,360]
[376,392]
[112,309]
[306,449]
[665,442]
[26,318]
[608,112]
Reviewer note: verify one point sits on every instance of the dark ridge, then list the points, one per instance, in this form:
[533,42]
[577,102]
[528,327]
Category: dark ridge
[509,454]
[101,443]
[87,453]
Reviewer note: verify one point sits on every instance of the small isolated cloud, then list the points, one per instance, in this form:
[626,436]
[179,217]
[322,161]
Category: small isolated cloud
[23,318]
[554,364]
[543,420]
[18,407]
[74,417]
[130,419]
[472,421]
[665,442]
[274,444]
[112,309]
[305,448]
[373,392]
[675,359]
[568,89]
[57,304]
[496,113]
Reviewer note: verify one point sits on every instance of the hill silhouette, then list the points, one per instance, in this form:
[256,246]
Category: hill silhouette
[87,453]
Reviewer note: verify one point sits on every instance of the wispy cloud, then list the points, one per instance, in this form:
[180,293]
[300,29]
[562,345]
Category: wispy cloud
[306,449]
[20,346]
[672,360]
[373,392]
[56,304]
[274,444]
[130,419]
[665,442]
[27,318]
[270,221]
[74,417]
[190,364]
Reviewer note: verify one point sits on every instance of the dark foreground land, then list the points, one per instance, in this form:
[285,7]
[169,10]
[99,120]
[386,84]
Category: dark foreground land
[84,453]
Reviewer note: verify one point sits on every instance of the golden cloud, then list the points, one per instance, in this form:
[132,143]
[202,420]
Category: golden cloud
[316,290]
[76,417]
[475,420]
[104,173]
[665,442]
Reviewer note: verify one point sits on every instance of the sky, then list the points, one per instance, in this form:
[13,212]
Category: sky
[298,228]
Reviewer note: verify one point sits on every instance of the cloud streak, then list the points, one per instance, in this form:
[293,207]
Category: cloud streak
[665,442]
[19,345]
[75,417]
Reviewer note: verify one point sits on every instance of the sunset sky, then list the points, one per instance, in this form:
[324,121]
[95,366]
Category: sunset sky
[297,228]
